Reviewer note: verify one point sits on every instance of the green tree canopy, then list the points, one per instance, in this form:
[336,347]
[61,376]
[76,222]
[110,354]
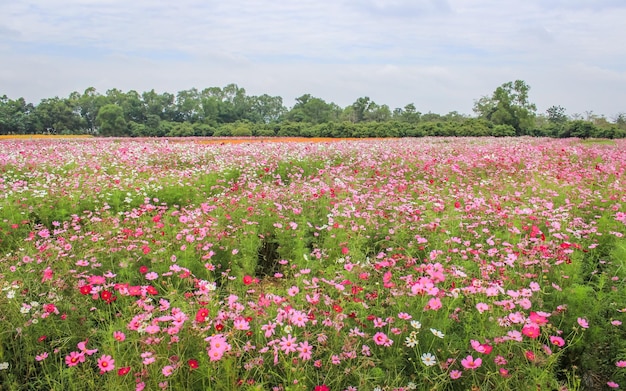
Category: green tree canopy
[111,120]
[508,105]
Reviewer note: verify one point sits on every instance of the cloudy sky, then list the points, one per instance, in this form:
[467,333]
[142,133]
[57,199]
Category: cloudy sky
[441,55]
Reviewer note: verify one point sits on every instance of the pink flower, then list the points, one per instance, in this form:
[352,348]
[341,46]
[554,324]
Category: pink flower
[106,363]
[621,364]
[482,307]
[558,341]
[433,304]
[404,315]
[218,343]
[304,350]
[151,276]
[531,330]
[119,336]
[294,290]
[269,329]
[44,355]
[382,339]
[537,318]
[82,346]
[616,323]
[47,274]
[299,318]
[167,370]
[455,374]
[215,354]
[499,360]
[583,323]
[470,363]
[241,324]
[288,344]
[481,348]
[74,358]
[612,384]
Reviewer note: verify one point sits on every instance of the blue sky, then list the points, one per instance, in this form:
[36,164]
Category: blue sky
[439,55]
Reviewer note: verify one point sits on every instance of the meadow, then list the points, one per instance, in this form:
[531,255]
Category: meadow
[388,264]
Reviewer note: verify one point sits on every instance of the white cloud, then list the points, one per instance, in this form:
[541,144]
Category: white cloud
[441,55]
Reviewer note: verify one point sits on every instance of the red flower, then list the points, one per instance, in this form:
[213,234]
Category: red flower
[152,290]
[123,371]
[323,387]
[247,280]
[106,295]
[85,289]
[219,327]
[193,363]
[143,269]
[202,314]
[344,251]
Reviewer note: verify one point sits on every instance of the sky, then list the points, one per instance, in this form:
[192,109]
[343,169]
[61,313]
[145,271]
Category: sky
[441,55]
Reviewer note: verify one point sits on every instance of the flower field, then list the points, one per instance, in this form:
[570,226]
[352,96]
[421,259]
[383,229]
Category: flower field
[400,264]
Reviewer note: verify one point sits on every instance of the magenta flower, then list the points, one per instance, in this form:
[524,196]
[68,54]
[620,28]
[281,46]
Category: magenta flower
[583,323]
[531,330]
[119,336]
[558,341]
[433,304]
[106,363]
[382,339]
[74,358]
[470,363]
[82,346]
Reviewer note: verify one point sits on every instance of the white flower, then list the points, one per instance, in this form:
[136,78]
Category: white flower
[288,329]
[437,333]
[428,359]
[377,389]
[410,341]
[4,365]
[411,386]
[10,294]
[416,324]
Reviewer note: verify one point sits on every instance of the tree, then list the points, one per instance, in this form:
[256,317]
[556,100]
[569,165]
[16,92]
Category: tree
[311,110]
[508,105]
[360,108]
[266,109]
[556,115]
[188,106]
[57,116]
[15,116]
[111,120]
[88,105]
[409,114]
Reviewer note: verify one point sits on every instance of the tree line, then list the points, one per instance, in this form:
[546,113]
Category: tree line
[229,111]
